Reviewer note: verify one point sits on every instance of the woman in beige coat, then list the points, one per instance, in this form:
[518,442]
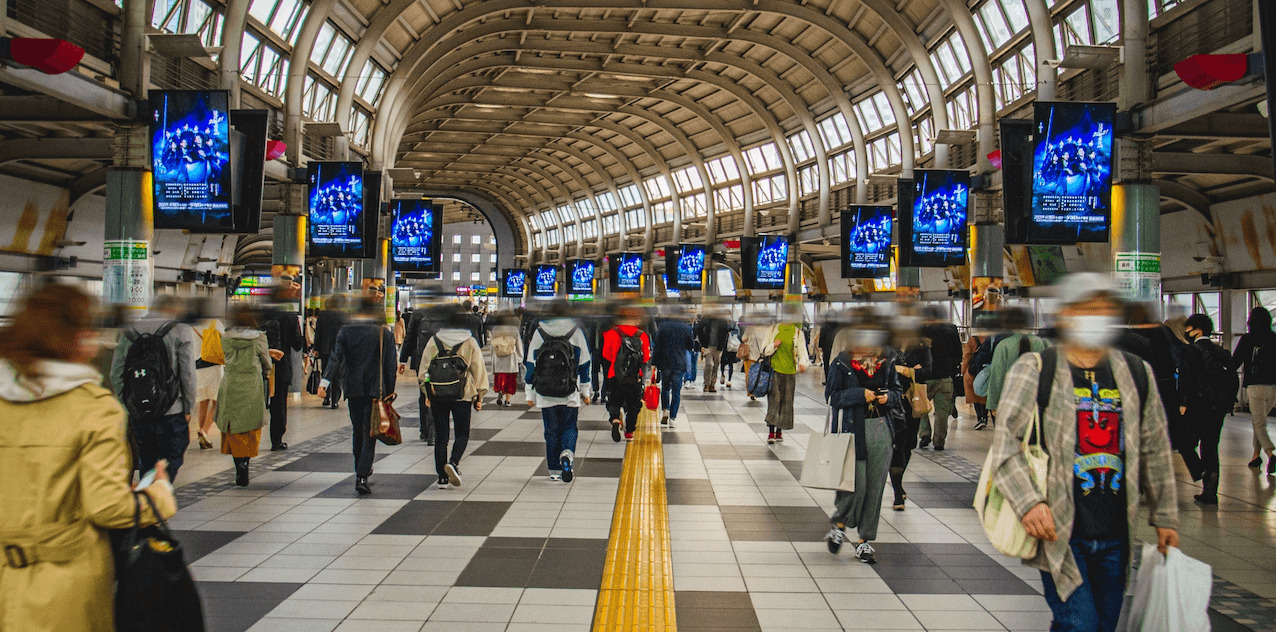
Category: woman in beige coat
[66,471]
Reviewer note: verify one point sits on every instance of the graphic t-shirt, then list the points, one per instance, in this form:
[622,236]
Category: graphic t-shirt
[1098,468]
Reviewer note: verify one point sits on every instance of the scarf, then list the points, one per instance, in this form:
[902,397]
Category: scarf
[868,364]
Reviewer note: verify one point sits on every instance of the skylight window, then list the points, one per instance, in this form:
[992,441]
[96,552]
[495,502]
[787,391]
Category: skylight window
[280,16]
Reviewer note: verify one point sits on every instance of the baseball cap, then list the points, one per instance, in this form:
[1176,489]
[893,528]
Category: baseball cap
[1080,287]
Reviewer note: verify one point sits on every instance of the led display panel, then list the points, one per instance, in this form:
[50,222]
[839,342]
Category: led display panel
[190,160]
[936,203]
[1071,172]
[763,261]
[625,270]
[686,264]
[1016,177]
[248,135]
[546,281]
[580,278]
[866,242]
[337,219]
[416,236]
[515,283]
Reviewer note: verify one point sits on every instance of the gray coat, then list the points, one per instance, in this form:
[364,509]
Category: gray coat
[1147,456]
[183,344]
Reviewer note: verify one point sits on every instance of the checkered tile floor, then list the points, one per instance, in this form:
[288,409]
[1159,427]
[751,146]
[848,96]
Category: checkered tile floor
[513,551]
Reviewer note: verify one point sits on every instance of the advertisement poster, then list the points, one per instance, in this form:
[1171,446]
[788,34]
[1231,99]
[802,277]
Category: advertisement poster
[581,273]
[416,236]
[940,203]
[771,261]
[126,273]
[1138,276]
[866,241]
[190,149]
[690,268]
[546,280]
[1072,172]
[626,272]
[515,284]
[336,209]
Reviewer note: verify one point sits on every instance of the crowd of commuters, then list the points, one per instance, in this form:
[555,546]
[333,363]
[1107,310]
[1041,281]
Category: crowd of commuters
[1109,384]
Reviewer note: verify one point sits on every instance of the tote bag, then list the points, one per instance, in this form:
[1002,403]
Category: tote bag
[920,400]
[154,589]
[1001,522]
[830,460]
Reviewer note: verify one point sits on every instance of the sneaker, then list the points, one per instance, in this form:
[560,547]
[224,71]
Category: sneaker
[555,478]
[723,381]
[752,398]
[779,436]
[939,448]
[361,486]
[728,385]
[664,420]
[865,552]
[835,537]
[981,424]
[615,431]
[770,438]
[453,474]
[922,443]
[279,447]
[671,422]
[629,436]
[444,483]
[566,461]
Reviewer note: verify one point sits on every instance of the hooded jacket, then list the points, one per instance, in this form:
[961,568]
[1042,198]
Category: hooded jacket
[559,327]
[475,369]
[242,397]
[67,469]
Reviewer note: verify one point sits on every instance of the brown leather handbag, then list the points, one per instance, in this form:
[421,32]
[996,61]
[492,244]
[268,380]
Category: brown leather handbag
[384,425]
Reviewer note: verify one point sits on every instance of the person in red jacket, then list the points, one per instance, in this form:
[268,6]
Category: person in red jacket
[626,353]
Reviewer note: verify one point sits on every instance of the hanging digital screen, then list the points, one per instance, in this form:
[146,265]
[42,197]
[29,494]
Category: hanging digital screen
[337,222]
[581,278]
[190,160]
[416,236]
[1016,177]
[515,283]
[248,135]
[1071,172]
[685,264]
[763,261]
[625,270]
[866,242]
[546,280]
[937,210]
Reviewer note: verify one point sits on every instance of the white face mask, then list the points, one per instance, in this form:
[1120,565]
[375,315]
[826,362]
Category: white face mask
[867,338]
[1092,332]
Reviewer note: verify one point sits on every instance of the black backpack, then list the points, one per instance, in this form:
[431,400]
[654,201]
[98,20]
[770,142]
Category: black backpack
[555,373]
[150,385]
[1219,383]
[628,366]
[448,373]
[1262,364]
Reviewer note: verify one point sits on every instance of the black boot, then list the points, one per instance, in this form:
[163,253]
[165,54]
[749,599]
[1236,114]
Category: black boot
[361,486]
[241,471]
[897,482]
[1209,491]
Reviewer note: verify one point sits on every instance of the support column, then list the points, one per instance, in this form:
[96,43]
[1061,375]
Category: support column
[793,271]
[908,284]
[987,245]
[135,62]
[289,253]
[375,271]
[1136,241]
[127,268]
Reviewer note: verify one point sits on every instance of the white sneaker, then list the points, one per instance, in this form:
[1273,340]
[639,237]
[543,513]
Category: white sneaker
[835,537]
[555,477]
[865,552]
[672,421]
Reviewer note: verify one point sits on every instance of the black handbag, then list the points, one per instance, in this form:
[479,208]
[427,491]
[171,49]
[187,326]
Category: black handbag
[316,375]
[154,590]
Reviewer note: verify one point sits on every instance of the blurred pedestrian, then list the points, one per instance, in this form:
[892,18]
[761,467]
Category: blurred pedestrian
[240,420]
[711,334]
[453,377]
[1256,352]
[786,346]
[913,366]
[559,364]
[627,352]
[945,353]
[507,359]
[1209,389]
[283,333]
[984,329]
[669,357]
[328,322]
[208,377]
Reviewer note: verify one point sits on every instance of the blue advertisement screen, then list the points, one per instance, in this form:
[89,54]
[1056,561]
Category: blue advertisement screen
[515,284]
[1071,172]
[626,272]
[940,203]
[866,242]
[416,236]
[690,268]
[773,257]
[546,278]
[336,210]
[581,272]
[190,149]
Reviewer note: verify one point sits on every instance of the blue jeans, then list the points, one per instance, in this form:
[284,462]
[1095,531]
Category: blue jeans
[691,366]
[161,438]
[560,434]
[1096,604]
[671,391]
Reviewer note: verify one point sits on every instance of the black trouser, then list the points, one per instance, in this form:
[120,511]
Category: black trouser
[163,438]
[334,389]
[1207,428]
[981,411]
[905,440]
[427,419]
[363,445]
[458,412]
[626,398]
[279,409]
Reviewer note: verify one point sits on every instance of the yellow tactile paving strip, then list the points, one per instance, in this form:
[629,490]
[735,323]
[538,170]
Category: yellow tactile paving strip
[637,588]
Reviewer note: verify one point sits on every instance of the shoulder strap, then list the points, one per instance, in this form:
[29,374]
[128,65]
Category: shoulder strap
[1139,371]
[438,344]
[1045,380]
[457,349]
[1025,344]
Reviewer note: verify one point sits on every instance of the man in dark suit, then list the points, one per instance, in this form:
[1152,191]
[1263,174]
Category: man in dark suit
[328,323]
[283,332]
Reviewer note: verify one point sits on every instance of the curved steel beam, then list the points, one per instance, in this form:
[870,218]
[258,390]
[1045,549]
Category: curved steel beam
[228,62]
[1187,196]
[298,66]
[1043,46]
[982,67]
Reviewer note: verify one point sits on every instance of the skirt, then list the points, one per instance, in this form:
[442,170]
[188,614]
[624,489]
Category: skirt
[505,383]
[207,381]
[242,445]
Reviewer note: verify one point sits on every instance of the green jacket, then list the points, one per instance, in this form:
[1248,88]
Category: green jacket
[241,400]
[1003,356]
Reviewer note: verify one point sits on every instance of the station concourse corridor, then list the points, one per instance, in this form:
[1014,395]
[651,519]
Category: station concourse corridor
[728,538]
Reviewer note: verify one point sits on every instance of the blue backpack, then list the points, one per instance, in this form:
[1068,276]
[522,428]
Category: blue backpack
[758,382]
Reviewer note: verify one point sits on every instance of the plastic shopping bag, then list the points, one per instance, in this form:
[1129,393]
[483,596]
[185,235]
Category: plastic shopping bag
[1168,593]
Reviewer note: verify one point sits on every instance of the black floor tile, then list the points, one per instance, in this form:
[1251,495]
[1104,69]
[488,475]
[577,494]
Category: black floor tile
[324,462]
[925,586]
[197,544]
[510,448]
[497,572]
[590,544]
[236,607]
[709,599]
[948,561]
[1219,622]
[418,517]
[905,571]
[569,568]
[483,434]
[715,611]
[384,486]
[515,543]
[511,553]
[472,518]
[936,549]
[678,437]
[1011,586]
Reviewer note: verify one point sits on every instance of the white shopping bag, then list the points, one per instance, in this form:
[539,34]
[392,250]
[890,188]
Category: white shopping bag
[830,461]
[1168,593]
